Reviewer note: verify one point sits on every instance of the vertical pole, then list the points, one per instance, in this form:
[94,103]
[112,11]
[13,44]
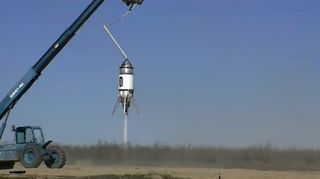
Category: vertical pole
[115,42]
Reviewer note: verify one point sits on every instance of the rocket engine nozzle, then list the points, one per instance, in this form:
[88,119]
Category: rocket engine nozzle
[125,99]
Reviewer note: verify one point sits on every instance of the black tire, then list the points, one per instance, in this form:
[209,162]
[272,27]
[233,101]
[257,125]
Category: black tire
[57,157]
[6,165]
[30,156]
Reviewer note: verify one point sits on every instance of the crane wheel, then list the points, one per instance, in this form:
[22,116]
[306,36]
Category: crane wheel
[57,157]
[30,156]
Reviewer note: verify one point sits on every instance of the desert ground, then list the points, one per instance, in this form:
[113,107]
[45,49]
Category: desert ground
[83,171]
[163,162]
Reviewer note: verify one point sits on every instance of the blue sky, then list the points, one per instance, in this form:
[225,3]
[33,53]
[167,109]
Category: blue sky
[211,72]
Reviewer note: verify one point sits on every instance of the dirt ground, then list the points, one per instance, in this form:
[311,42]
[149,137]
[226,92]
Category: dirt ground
[156,172]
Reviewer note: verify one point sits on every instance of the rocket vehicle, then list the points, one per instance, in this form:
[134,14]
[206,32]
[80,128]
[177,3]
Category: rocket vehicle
[125,80]
[126,86]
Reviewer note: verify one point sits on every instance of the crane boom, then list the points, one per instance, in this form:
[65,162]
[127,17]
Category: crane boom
[32,75]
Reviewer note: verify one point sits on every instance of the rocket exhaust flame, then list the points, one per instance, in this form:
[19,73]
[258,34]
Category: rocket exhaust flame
[125,131]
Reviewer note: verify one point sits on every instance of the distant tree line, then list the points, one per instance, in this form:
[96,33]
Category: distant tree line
[263,157]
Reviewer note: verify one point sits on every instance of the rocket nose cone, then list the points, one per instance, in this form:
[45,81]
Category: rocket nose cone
[126,64]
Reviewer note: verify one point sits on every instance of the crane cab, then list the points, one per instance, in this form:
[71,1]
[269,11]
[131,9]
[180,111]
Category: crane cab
[29,134]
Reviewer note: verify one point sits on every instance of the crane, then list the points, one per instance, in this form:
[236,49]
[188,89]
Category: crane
[30,148]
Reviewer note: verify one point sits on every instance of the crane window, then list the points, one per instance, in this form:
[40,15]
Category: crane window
[38,136]
[24,135]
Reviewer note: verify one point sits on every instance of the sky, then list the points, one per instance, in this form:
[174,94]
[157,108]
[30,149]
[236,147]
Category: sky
[208,73]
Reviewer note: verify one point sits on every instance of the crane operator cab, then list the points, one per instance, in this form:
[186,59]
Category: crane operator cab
[29,135]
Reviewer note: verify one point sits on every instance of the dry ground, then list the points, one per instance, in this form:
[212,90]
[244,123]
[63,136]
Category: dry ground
[194,173]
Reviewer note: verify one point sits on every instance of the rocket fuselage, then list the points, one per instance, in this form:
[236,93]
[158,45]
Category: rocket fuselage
[126,85]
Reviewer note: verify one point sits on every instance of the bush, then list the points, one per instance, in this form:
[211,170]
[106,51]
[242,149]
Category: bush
[257,157]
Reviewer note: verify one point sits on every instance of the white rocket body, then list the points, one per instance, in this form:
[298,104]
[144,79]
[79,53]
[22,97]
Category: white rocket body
[126,85]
